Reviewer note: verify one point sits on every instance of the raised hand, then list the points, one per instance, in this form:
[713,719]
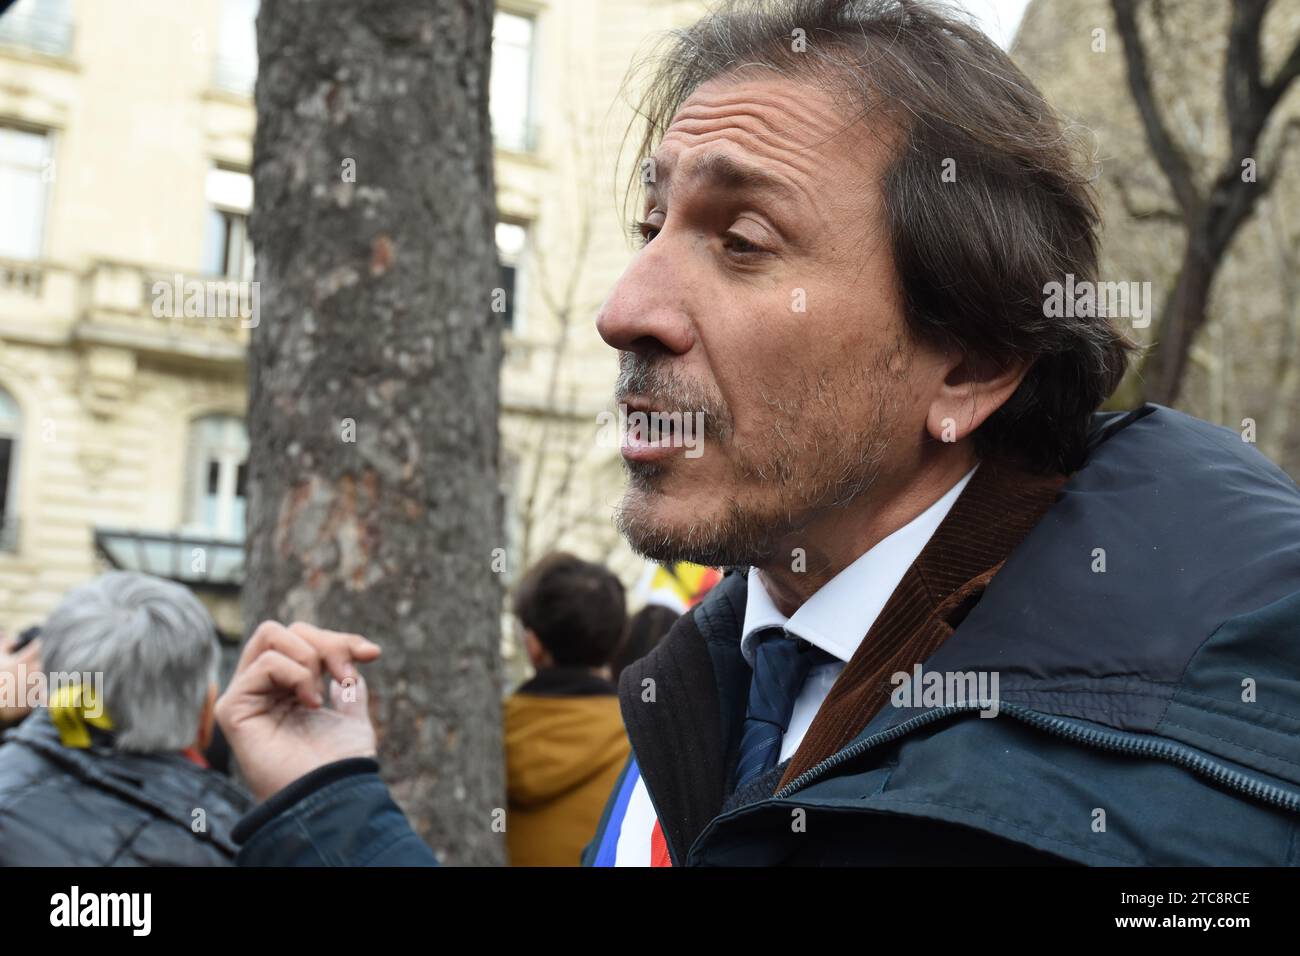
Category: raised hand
[273,712]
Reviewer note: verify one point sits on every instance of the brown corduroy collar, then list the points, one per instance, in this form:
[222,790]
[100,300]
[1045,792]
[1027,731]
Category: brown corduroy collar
[995,511]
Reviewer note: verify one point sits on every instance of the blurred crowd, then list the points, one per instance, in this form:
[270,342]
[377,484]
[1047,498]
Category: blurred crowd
[110,755]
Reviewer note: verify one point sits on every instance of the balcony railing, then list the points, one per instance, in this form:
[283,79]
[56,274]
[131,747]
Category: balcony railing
[182,315]
[38,298]
[178,314]
[23,277]
[40,30]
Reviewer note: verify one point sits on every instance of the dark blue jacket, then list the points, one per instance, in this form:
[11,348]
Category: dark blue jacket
[1149,715]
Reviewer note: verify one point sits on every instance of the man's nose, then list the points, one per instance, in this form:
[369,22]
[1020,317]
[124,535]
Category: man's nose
[648,310]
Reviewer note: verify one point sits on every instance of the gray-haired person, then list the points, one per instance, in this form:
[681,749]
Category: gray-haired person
[107,770]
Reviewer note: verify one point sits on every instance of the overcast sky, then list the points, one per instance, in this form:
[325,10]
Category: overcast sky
[998,18]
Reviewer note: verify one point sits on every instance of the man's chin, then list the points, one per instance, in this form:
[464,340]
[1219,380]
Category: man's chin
[667,529]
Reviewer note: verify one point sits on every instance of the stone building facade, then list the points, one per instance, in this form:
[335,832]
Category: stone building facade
[126,138]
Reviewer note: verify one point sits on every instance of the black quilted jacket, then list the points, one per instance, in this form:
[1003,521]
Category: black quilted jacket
[100,807]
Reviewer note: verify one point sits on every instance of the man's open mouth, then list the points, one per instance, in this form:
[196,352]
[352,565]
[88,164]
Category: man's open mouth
[654,427]
[653,432]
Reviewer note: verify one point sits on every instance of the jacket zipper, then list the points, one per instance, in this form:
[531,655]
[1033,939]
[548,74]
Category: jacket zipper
[1102,740]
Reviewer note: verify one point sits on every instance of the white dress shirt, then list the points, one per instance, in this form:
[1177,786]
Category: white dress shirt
[836,619]
[839,615]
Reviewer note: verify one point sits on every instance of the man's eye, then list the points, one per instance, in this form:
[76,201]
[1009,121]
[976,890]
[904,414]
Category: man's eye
[642,231]
[734,242]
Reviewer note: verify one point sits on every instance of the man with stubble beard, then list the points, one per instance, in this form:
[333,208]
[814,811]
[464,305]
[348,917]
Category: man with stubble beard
[966,613]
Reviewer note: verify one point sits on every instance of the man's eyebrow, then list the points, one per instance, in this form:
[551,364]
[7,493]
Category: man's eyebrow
[721,172]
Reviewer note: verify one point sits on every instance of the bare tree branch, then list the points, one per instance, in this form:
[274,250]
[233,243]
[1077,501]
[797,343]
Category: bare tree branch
[1243,86]
[1167,153]
[1286,75]
[1212,219]
[1160,214]
[563,305]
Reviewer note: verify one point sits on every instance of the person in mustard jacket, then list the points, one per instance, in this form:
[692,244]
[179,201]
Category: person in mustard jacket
[564,738]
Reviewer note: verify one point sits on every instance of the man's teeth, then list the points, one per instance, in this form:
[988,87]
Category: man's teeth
[652,428]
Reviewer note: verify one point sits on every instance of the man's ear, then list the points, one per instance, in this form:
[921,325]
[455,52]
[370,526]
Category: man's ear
[207,720]
[973,389]
[538,656]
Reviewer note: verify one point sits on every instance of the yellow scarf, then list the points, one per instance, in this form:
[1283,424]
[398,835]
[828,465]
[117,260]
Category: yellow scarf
[68,710]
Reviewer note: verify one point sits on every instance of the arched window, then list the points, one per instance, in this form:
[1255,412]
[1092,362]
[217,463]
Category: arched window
[218,470]
[11,422]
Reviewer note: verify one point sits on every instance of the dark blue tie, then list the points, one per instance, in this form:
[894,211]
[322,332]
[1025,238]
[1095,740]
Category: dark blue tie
[781,666]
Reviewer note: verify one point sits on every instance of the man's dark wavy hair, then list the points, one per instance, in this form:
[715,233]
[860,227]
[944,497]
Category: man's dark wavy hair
[973,254]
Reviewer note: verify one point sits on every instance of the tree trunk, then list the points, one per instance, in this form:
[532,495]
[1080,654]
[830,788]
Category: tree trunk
[374,504]
[1182,317]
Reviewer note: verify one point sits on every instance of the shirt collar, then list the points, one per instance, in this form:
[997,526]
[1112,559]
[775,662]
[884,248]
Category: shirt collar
[838,616]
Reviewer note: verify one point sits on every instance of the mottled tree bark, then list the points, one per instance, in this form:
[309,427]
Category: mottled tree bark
[373,503]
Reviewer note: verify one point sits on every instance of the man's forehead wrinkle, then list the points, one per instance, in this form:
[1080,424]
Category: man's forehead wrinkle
[748,152]
[822,109]
[718,167]
[777,115]
[791,130]
[802,172]
[772,157]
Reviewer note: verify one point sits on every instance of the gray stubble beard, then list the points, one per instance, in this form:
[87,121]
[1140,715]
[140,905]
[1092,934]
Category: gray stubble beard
[749,534]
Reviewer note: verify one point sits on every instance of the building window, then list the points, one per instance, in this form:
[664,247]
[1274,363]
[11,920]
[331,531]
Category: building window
[218,476]
[236,64]
[511,96]
[41,25]
[512,244]
[10,433]
[508,478]
[24,173]
[227,250]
